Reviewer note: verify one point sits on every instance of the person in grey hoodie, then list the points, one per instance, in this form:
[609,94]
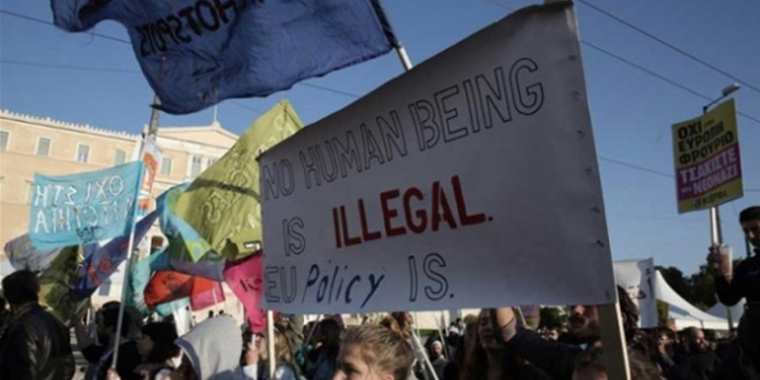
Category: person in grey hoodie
[213,348]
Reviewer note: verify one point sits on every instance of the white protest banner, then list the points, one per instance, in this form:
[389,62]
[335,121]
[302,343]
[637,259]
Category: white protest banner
[637,278]
[469,181]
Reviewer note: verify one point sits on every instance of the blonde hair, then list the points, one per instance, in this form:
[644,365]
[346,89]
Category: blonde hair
[381,348]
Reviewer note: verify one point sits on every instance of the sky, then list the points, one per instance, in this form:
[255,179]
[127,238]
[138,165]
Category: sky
[85,79]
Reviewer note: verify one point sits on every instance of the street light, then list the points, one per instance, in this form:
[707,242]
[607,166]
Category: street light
[726,91]
[730,88]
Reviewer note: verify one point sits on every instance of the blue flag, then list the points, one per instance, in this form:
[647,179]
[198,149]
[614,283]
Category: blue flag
[82,209]
[22,255]
[196,53]
[101,262]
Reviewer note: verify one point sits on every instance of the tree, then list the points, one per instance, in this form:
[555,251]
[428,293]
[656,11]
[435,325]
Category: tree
[703,288]
[663,310]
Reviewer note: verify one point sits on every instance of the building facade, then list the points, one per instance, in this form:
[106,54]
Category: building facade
[31,144]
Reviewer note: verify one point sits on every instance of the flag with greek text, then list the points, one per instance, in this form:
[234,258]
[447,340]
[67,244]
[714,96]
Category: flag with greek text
[222,204]
[84,208]
[102,261]
[196,53]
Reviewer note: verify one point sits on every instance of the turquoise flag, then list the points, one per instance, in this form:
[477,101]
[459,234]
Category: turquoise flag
[183,239]
[84,208]
[166,309]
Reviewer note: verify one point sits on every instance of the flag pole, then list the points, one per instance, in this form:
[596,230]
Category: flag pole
[152,132]
[420,348]
[441,329]
[404,57]
[270,343]
[125,284]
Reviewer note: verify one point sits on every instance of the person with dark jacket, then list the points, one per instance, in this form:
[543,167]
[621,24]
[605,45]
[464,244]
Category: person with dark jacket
[437,358]
[486,357]
[35,345]
[698,361]
[733,284]
[560,360]
[5,316]
[99,354]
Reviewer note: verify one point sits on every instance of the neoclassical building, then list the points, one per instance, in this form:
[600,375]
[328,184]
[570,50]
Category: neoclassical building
[32,144]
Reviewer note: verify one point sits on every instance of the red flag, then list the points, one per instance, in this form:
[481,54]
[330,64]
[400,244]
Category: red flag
[166,286]
[245,279]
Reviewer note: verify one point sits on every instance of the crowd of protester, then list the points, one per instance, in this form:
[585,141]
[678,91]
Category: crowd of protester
[494,345]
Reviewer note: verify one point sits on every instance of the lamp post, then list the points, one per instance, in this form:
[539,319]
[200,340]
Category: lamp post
[716,233]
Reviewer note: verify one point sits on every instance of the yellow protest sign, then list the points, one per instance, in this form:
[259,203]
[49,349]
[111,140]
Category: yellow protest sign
[706,157]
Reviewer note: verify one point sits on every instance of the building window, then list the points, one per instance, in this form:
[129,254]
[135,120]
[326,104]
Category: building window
[195,169]
[43,146]
[119,157]
[166,166]
[211,161]
[4,137]
[83,153]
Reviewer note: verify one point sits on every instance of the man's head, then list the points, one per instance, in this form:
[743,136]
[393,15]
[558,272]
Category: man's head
[21,287]
[749,218]
[551,334]
[583,321]
[370,352]
[436,349]
[107,320]
[696,340]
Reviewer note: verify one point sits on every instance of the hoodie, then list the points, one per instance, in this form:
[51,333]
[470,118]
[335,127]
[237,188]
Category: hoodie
[213,348]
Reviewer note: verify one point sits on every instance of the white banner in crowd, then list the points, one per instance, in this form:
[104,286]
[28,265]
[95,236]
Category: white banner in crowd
[470,181]
[637,278]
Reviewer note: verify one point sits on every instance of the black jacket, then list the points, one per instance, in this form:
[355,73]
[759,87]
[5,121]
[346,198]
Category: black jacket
[36,346]
[556,359]
[745,283]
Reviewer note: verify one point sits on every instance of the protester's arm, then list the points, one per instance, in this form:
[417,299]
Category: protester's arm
[728,290]
[556,359]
